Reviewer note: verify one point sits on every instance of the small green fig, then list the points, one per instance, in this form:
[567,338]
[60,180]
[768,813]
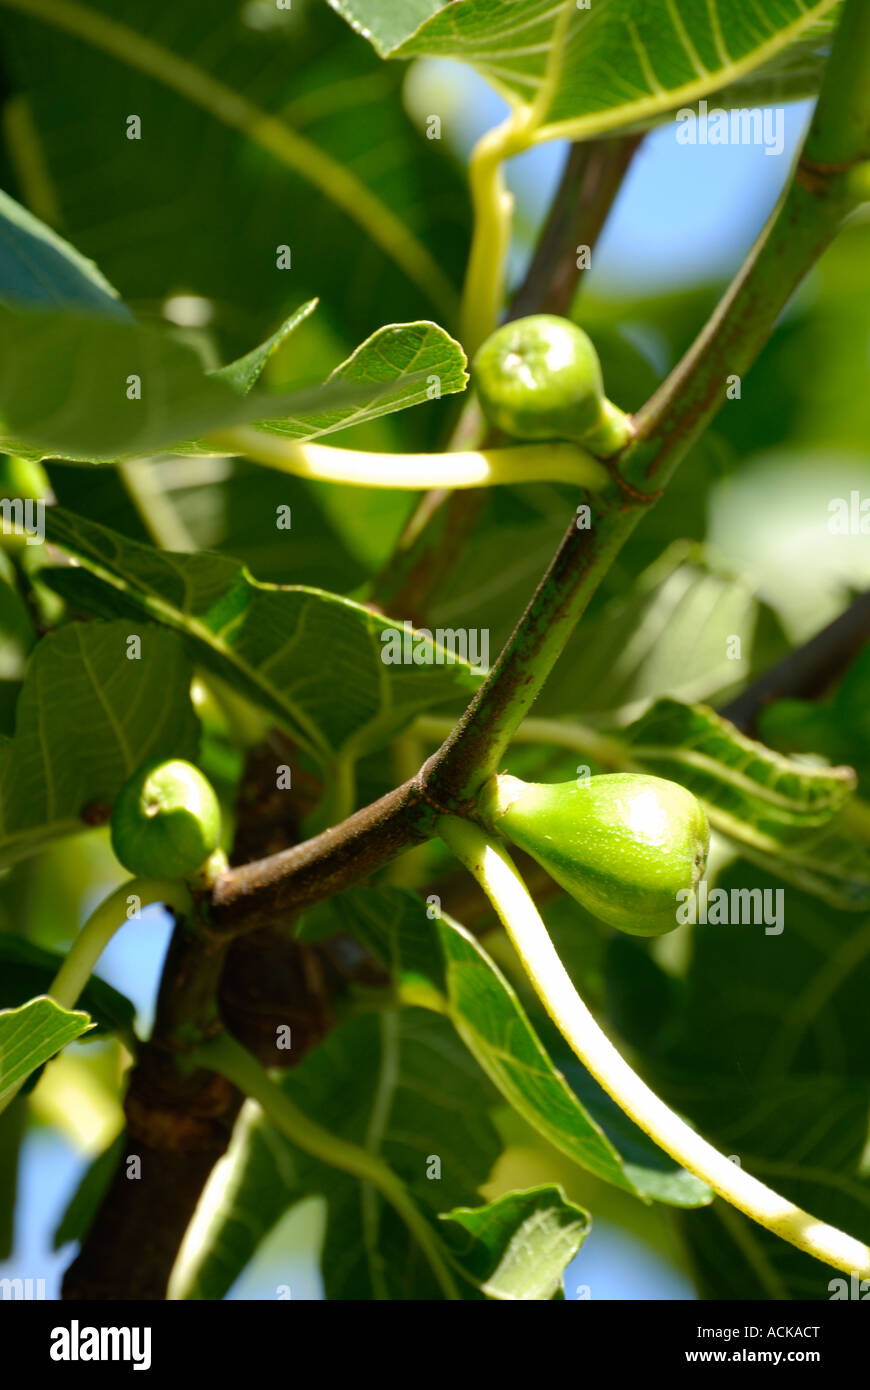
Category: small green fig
[623,844]
[166,820]
[540,378]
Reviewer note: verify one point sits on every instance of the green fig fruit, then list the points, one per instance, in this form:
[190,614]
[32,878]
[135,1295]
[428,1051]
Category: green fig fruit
[166,820]
[623,844]
[540,378]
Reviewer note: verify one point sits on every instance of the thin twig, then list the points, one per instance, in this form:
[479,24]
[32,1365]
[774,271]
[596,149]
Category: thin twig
[591,179]
[809,670]
[253,894]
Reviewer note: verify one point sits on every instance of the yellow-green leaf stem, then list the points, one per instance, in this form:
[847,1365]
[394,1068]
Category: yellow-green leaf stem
[101,926]
[526,463]
[96,934]
[222,1054]
[492,204]
[498,877]
[483,291]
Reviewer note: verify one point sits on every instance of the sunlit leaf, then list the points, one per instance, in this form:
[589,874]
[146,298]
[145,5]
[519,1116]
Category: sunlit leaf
[312,660]
[32,1034]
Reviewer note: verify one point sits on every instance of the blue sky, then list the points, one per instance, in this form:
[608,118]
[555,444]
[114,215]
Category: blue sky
[685,212]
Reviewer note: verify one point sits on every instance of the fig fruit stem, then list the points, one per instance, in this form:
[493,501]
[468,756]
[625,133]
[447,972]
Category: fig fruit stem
[100,927]
[612,433]
[493,869]
[523,463]
[227,1057]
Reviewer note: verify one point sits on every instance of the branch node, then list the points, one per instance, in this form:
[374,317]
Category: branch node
[631,496]
[816,177]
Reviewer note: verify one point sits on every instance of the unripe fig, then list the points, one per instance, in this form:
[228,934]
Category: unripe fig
[623,844]
[540,378]
[166,820]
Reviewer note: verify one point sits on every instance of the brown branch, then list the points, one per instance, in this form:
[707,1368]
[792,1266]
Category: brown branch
[269,888]
[591,179]
[475,747]
[808,671]
[427,550]
[177,1127]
